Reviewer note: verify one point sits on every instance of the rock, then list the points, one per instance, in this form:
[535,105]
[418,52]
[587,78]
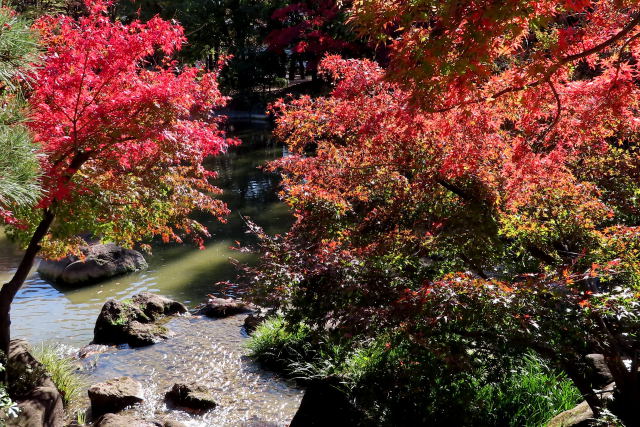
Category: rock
[192,396]
[99,262]
[599,373]
[580,416]
[173,423]
[143,334]
[221,307]
[324,405]
[252,321]
[114,420]
[112,322]
[41,404]
[92,350]
[155,306]
[43,407]
[131,321]
[114,395]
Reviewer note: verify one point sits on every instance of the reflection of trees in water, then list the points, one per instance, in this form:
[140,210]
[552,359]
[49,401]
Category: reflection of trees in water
[239,172]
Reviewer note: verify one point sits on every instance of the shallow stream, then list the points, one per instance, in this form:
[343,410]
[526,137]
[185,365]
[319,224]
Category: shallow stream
[210,351]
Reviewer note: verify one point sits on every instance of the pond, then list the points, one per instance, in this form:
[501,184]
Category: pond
[211,351]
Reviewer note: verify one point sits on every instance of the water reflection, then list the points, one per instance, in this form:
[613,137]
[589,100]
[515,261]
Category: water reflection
[43,311]
[210,351]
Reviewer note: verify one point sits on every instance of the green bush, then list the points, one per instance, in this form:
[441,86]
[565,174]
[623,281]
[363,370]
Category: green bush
[398,383]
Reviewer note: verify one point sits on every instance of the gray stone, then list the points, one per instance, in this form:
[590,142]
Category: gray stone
[155,306]
[192,396]
[98,262]
[224,307]
[116,420]
[580,416]
[114,395]
[143,334]
[41,405]
[132,322]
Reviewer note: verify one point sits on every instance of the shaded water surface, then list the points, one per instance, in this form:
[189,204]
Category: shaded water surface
[208,350]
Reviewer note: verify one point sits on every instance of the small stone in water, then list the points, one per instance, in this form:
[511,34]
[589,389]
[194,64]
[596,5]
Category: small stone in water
[114,395]
[192,396]
[221,307]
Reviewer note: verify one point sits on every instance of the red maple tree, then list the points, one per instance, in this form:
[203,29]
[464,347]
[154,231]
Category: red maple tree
[124,130]
[311,29]
[481,190]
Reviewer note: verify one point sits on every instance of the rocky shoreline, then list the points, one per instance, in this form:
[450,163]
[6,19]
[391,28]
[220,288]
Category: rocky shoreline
[131,323]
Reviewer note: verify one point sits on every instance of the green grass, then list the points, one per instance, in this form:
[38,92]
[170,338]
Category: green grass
[400,385]
[63,373]
[272,342]
[532,395]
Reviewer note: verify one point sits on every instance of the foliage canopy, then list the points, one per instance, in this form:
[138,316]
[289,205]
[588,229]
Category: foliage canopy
[479,195]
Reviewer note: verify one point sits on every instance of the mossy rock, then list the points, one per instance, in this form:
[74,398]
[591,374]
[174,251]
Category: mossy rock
[134,321]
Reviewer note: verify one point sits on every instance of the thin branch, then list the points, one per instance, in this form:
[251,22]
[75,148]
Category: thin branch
[552,69]
[556,119]
[597,48]
[619,60]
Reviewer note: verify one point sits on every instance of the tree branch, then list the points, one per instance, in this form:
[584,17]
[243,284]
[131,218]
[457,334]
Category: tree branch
[552,69]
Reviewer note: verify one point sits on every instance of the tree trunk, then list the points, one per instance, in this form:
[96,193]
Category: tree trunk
[583,386]
[626,398]
[11,288]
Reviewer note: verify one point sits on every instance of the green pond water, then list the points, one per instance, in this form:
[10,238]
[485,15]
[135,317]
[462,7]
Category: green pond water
[209,351]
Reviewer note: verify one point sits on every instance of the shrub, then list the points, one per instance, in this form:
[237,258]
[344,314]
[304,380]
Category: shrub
[8,409]
[398,383]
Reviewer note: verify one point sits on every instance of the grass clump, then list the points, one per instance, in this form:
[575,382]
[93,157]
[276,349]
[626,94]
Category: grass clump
[531,395]
[276,345]
[62,371]
[398,383]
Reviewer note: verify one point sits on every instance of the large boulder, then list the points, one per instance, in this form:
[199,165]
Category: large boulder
[132,321]
[114,395]
[190,396]
[40,402]
[98,262]
[224,307]
[143,334]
